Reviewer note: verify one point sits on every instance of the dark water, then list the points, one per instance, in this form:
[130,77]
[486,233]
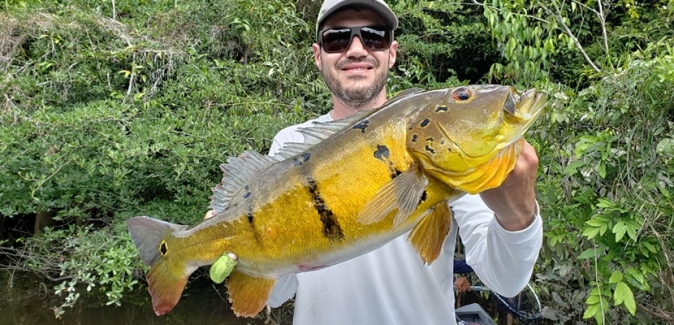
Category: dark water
[30,302]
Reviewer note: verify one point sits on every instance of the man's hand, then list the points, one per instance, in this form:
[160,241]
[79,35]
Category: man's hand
[462,284]
[209,214]
[514,202]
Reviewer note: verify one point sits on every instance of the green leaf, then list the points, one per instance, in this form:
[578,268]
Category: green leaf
[632,228]
[616,277]
[650,247]
[604,203]
[623,294]
[597,221]
[590,311]
[601,168]
[619,230]
[591,232]
[636,274]
[586,254]
[592,300]
[573,167]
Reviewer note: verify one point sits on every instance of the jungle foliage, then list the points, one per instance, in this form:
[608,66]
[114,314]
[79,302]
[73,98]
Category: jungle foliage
[112,109]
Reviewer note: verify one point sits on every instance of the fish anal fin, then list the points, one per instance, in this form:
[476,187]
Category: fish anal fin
[165,287]
[429,235]
[247,294]
[403,193]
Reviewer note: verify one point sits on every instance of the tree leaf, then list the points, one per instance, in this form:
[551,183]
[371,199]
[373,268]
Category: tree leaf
[616,277]
[619,230]
[586,254]
[601,168]
[590,311]
[623,294]
[591,232]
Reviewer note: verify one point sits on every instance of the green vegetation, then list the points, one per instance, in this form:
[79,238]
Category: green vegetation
[112,109]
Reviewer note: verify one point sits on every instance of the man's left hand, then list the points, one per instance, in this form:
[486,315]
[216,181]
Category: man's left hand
[514,202]
[462,284]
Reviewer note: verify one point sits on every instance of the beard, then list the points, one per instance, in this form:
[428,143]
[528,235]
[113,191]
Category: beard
[360,95]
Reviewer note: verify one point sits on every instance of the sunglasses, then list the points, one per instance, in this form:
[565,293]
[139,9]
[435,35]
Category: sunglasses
[338,39]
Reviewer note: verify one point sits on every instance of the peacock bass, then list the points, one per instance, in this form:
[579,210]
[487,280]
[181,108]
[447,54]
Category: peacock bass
[354,185]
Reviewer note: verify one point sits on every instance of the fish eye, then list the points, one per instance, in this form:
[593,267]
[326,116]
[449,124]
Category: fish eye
[461,94]
[163,248]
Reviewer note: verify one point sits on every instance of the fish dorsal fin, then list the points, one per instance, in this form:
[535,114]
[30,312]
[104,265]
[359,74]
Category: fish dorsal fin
[401,95]
[407,92]
[429,235]
[402,193]
[237,173]
[320,131]
[292,149]
[317,132]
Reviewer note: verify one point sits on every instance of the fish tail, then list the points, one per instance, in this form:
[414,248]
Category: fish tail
[168,272]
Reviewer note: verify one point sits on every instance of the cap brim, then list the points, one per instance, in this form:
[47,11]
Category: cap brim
[381,9]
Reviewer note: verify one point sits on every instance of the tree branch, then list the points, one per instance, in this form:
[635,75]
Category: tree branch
[568,32]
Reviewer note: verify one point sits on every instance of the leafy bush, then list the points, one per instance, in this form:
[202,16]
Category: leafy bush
[605,153]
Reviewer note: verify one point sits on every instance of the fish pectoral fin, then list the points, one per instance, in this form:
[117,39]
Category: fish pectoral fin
[429,235]
[492,173]
[247,294]
[403,193]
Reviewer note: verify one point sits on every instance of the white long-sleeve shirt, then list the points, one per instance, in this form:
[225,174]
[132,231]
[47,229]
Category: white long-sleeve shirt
[391,285]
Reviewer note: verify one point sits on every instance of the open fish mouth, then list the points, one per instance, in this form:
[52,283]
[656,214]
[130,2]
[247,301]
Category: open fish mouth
[525,106]
[521,110]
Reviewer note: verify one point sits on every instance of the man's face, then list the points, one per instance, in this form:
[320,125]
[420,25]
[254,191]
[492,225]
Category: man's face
[357,75]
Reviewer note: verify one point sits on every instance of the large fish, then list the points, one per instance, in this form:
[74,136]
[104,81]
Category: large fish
[355,184]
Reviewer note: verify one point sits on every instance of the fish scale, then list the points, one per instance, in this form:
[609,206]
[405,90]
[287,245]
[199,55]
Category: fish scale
[355,184]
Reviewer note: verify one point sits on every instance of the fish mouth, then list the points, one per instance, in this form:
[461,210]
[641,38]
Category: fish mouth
[529,105]
[525,106]
[521,110]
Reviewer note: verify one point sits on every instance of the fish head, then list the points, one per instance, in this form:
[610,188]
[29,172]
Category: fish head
[469,137]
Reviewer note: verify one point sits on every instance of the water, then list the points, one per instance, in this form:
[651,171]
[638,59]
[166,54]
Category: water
[30,302]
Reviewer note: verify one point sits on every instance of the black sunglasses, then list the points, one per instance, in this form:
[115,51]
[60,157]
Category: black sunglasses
[338,39]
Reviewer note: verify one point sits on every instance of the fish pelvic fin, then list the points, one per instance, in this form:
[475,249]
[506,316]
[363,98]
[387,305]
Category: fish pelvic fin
[429,235]
[403,193]
[168,274]
[247,294]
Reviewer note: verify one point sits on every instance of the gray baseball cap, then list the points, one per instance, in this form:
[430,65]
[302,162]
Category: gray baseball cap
[379,6]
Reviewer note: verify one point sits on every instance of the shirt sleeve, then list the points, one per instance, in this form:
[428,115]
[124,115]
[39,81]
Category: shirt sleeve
[284,289]
[461,267]
[504,260]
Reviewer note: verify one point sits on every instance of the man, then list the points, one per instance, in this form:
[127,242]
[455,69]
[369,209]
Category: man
[501,228]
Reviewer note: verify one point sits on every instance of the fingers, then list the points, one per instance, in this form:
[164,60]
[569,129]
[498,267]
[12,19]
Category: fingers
[209,214]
